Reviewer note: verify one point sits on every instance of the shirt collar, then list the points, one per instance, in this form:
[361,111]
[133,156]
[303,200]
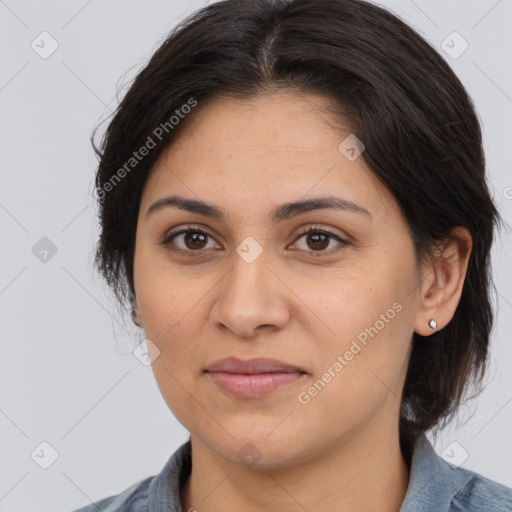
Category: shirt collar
[164,493]
[433,483]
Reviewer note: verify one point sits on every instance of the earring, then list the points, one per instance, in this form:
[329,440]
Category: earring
[432,323]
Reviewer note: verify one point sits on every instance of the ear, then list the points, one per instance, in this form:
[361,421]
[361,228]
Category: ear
[442,282]
[136,316]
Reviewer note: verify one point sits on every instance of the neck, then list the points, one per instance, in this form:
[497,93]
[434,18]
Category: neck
[362,470]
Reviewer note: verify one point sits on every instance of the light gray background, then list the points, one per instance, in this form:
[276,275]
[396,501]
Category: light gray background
[67,372]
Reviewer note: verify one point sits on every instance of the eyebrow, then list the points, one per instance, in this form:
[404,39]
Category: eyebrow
[278,214]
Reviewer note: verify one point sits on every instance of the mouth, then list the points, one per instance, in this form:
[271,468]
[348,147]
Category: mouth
[255,385]
[254,378]
[252,366]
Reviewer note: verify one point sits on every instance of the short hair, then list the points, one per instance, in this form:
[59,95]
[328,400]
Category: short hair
[421,134]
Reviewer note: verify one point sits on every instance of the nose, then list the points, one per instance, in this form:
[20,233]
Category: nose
[250,299]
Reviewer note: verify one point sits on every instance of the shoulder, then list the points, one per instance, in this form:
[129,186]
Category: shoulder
[132,499]
[436,485]
[481,493]
[149,494]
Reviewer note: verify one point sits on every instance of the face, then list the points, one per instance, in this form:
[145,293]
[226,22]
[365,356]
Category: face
[339,303]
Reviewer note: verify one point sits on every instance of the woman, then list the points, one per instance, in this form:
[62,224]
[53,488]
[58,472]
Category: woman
[294,202]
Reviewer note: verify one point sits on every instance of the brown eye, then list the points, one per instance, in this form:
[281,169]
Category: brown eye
[318,240]
[189,240]
[194,240]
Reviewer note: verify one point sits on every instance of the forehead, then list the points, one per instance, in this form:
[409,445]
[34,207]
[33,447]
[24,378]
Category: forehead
[280,121]
[264,151]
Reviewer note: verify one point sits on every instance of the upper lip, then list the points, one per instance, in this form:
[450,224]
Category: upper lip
[252,366]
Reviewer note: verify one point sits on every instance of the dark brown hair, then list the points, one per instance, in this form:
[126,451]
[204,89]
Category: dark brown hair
[422,136]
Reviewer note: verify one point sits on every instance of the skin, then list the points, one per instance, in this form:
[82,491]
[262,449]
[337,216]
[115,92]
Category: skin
[295,302]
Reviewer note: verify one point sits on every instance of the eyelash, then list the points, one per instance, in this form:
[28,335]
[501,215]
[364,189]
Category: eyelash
[311,229]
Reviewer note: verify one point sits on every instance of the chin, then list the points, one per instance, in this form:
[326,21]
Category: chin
[257,451]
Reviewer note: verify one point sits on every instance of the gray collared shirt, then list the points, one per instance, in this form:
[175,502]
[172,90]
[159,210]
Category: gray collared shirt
[434,486]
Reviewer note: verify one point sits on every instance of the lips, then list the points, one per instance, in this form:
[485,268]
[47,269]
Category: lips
[252,366]
[255,378]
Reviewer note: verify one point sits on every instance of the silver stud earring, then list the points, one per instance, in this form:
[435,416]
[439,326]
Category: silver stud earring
[432,323]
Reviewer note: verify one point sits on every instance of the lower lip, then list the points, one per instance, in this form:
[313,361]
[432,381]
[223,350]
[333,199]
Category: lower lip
[254,385]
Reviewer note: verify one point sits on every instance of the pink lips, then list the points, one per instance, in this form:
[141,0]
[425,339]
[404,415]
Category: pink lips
[253,378]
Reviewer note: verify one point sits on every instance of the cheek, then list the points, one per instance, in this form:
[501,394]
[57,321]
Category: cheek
[361,366]
[175,326]
[349,300]
[166,297]
[174,309]
[368,332]
[368,322]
